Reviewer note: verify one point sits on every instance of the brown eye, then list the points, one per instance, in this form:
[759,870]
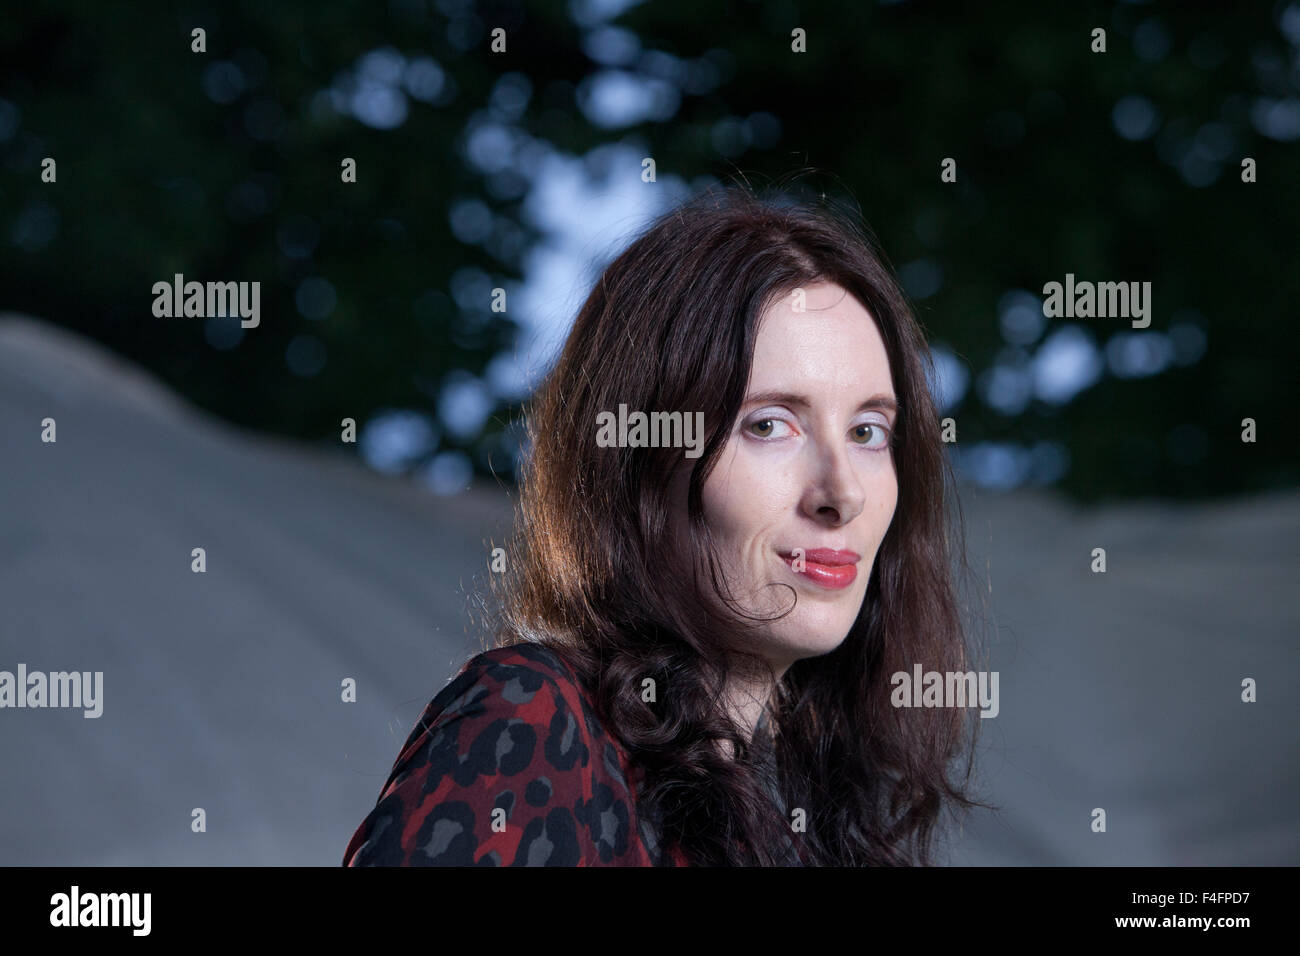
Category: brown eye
[764,424]
[870,434]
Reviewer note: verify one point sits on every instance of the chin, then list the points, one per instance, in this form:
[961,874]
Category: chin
[816,639]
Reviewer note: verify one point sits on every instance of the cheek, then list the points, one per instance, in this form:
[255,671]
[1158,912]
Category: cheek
[887,499]
[886,505]
[881,502]
[742,500]
[889,495]
[724,510]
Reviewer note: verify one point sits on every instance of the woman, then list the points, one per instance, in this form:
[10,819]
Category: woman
[703,609]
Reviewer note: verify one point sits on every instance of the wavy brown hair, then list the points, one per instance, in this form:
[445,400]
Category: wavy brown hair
[671,325]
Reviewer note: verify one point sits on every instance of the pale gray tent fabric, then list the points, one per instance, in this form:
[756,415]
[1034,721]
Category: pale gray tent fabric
[1123,691]
[222,689]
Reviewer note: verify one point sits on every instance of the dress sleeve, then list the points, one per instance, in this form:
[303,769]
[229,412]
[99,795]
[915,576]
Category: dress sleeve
[497,777]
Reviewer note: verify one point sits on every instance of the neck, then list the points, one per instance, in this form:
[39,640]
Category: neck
[747,697]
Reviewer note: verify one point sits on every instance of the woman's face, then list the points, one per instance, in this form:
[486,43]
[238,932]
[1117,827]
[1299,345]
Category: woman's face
[807,466]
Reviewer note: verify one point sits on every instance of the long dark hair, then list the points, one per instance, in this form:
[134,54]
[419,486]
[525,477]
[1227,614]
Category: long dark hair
[671,325]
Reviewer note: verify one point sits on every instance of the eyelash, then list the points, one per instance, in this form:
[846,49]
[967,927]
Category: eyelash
[889,432]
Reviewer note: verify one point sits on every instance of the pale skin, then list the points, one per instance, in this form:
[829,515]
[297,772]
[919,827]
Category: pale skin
[808,465]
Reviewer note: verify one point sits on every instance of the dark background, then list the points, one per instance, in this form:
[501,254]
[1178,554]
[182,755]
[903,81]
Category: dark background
[1115,166]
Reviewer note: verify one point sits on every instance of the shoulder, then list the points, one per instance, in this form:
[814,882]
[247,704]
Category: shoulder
[527,684]
[509,711]
[507,765]
[520,684]
[520,671]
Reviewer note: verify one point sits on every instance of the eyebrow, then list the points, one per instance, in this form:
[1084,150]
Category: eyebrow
[887,402]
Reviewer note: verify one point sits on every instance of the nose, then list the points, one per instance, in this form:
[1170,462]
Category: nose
[835,494]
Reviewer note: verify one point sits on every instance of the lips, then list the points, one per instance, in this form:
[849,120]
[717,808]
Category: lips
[827,567]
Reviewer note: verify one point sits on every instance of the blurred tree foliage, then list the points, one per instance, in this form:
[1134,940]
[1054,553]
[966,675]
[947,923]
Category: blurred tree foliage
[170,163]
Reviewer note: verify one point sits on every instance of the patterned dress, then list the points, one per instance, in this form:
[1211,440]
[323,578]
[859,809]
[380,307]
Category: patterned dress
[509,766]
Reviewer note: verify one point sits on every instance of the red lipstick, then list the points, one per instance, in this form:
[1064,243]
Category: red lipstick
[827,567]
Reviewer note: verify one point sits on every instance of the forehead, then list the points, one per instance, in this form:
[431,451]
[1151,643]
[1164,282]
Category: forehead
[825,337]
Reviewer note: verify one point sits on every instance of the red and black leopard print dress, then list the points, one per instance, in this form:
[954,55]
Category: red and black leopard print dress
[509,766]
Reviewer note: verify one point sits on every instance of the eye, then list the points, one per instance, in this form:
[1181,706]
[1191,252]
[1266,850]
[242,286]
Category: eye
[766,427]
[870,435]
